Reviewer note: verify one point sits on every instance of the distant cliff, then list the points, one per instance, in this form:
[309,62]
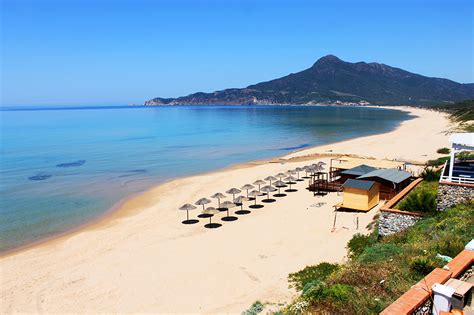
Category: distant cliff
[331,80]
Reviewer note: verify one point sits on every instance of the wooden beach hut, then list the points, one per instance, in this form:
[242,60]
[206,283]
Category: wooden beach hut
[391,181]
[361,195]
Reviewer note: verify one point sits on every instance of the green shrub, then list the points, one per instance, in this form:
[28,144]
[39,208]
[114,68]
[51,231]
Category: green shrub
[319,272]
[450,245]
[421,200]
[423,265]
[256,308]
[358,243]
[339,292]
[313,290]
[379,252]
[430,175]
[438,162]
[443,151]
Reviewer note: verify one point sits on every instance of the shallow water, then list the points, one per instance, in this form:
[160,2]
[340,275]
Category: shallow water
[63,166]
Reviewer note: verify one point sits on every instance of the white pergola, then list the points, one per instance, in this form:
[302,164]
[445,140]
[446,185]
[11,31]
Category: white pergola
[459,142]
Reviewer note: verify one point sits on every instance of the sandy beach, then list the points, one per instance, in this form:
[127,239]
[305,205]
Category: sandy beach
[141,259]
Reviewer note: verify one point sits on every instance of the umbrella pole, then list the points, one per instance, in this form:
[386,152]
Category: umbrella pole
[227,211]
[219,202]
[187,215]
[255,200]
[210,219]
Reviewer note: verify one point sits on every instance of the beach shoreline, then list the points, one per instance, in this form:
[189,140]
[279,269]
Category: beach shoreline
[120,209]
[142,207]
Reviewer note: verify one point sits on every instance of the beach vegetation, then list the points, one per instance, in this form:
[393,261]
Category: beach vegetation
[359,243]
[443,150]
[430,174]
[379,270]
[421,199]
[254,309]
[310,274]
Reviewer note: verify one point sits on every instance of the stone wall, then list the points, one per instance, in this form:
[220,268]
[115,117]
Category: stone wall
[393,221]
[450,195]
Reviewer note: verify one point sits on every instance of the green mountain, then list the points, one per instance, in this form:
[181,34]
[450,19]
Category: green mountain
[332,80]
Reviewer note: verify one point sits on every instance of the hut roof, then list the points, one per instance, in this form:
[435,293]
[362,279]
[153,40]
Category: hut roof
[359,170]
[392,175]
[359,184]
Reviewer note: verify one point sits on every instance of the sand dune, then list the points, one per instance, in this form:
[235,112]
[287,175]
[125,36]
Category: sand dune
[141,258]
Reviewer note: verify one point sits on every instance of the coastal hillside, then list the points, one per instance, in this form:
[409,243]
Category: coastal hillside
[333,81]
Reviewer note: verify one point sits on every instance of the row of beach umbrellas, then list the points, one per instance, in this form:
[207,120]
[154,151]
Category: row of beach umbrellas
[252,191]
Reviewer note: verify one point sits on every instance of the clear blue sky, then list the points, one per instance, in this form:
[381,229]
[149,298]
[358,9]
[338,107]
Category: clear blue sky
[120,52]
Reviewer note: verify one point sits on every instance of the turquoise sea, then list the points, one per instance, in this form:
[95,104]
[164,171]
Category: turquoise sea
[63,166]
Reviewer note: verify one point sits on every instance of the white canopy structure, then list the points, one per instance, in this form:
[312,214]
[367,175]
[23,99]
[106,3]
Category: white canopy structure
[459,142]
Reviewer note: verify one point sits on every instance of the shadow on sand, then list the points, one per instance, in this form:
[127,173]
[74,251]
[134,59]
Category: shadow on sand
[212,225]
[242,212]
[191,221]
[256,206]
[229,218]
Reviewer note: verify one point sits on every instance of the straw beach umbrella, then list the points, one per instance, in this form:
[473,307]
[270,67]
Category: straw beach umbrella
[259,183]
[290,180]
[306,170]
[186,208]
[298,170]
[218,196]
[247,187]
[279,184]
[270,179]
[227,205]
[255,194]
[241,199]
[210,212]
[280,175]
[268,189]
[233,191]
[202,202]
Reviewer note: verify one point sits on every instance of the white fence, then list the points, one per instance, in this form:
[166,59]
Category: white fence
[455,179]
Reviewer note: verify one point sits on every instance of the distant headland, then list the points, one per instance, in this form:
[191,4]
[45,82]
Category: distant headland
[333,81]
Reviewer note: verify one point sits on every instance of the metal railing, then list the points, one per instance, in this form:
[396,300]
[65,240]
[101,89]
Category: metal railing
[455,179]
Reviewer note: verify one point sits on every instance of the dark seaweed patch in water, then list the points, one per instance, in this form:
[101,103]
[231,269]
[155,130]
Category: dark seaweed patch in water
[133,172]
[72,164]
[301,146]
[40,177]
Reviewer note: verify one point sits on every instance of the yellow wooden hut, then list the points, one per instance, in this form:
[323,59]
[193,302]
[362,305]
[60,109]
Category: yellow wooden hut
[360,195]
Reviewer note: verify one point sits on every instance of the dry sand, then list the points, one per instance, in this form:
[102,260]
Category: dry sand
[142,259]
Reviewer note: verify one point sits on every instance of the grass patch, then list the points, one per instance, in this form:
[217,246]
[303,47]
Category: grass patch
[379,271]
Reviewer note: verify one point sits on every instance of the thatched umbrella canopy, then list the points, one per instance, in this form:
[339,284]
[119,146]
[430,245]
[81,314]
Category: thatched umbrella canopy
[270,179]
[298,170]
[259,183]
[279,184]
[280,175]
[240,200]
[187,207]
[202,202]
[227,205]
[254,194]
[233,192]
[268,189]
[218,195]
[290,180]
[247,187]
[306,170]
[211,211]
